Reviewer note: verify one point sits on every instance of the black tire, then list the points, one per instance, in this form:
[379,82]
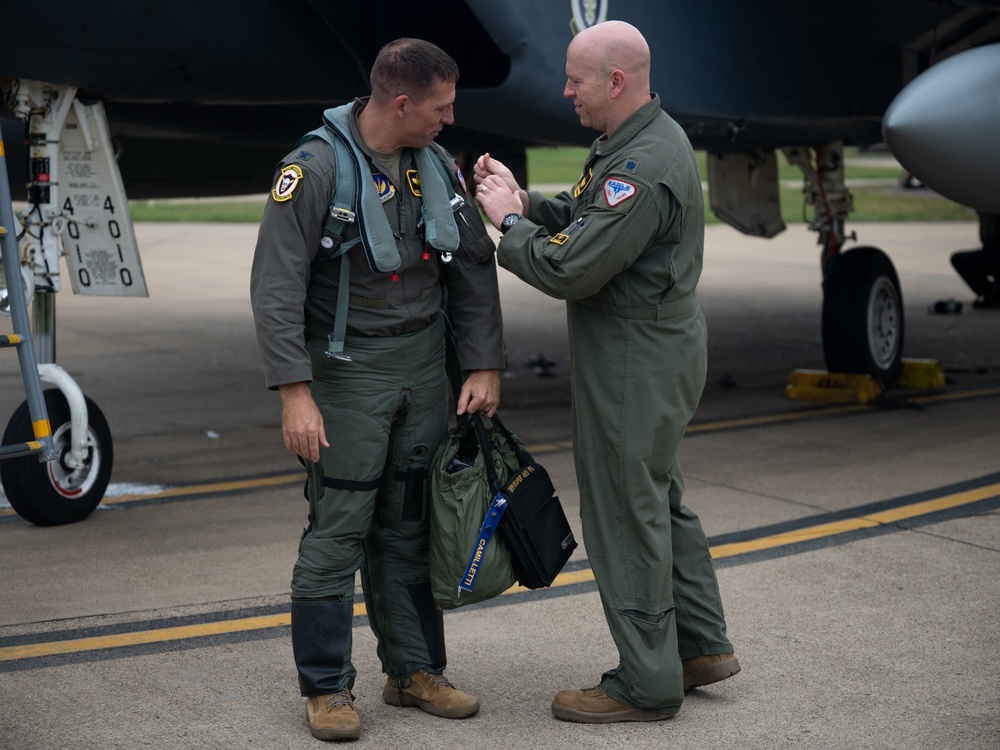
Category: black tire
[49,493]
[863,323]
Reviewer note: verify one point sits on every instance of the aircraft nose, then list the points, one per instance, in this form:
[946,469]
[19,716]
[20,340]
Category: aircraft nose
[942,127]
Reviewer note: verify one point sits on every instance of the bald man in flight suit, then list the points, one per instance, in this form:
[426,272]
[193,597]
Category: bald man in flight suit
[625,250]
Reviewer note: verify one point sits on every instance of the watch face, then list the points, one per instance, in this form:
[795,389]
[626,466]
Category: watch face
[508,221]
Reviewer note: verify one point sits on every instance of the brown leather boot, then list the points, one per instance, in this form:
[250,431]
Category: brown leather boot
[594,706]
[704,670]
[332,716]
[433,694]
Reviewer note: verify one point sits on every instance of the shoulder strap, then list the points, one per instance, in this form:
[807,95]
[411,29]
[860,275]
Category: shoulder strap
[341,211]
[332,242]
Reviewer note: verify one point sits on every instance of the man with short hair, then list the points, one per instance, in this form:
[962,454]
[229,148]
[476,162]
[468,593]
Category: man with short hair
[625,251]
[355,343]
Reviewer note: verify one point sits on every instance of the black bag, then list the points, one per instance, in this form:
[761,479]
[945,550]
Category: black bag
[535,528]
[533,525]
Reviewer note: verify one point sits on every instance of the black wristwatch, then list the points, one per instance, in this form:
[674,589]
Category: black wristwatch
[508,221]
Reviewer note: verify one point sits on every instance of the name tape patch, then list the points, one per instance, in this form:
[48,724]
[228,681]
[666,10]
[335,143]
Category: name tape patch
[617,191]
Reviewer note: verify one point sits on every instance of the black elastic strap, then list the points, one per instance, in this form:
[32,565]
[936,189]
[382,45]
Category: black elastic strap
[411,476]
[352,485]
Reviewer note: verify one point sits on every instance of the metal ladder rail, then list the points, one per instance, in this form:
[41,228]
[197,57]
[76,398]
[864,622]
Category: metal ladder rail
[21,338]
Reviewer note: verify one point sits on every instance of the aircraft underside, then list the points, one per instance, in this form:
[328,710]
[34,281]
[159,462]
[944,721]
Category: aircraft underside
[112,102]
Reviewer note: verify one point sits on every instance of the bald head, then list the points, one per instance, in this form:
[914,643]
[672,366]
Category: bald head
[607,71]
[616,44]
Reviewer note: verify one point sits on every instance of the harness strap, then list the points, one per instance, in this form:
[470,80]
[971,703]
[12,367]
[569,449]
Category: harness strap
[353,190]
[352,485]
[335,345]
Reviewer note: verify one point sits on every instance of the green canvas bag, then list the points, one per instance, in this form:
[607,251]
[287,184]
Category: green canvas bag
[463,483]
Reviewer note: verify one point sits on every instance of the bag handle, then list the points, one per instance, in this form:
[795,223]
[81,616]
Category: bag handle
[487,450]
[457,378]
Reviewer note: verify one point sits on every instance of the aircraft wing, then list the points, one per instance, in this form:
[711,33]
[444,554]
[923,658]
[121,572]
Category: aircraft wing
[204,97]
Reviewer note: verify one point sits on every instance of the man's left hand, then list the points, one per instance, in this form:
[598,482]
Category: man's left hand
[480,393]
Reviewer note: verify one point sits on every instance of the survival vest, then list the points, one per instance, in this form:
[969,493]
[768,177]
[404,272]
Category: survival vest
[355,199]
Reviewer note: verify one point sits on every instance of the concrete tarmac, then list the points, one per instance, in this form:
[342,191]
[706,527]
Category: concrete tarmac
[858,547]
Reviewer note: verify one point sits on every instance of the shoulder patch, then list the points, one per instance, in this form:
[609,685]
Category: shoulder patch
[288,180]
[617,191]
[631,164]
[413,180]
[384,187]
[461,179]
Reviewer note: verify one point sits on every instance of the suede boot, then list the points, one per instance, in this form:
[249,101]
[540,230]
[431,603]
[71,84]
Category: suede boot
[704,670]
[432,693]
[594,706]
[332,716]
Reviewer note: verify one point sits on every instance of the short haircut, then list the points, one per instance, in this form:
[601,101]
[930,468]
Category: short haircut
[412,67]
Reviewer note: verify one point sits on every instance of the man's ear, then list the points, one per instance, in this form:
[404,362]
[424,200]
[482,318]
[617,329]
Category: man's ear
[617,82]
[400,105]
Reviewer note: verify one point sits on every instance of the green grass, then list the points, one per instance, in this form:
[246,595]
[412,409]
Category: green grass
[562,167]
[878,202]
[205,210]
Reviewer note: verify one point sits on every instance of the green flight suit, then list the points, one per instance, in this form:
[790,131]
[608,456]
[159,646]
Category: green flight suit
[625,251]
[385,411]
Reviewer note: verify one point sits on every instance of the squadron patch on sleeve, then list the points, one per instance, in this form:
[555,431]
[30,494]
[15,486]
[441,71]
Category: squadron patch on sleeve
[288,180]
[617,191]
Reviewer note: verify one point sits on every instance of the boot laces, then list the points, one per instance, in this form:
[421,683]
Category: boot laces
[438,680]
[335,700]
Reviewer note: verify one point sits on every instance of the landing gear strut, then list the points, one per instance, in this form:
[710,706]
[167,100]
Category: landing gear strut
[863,323]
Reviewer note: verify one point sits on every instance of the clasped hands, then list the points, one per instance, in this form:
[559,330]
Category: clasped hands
[497,192]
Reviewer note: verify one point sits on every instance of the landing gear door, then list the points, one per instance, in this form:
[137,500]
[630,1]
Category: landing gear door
[98,238]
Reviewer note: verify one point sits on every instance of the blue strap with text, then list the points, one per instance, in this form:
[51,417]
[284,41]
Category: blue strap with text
[493,515]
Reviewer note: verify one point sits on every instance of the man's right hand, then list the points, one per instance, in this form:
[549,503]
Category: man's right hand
[486,165]
[301,421]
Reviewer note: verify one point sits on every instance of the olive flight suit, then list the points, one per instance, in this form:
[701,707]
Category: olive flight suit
[384,411]
[625,251]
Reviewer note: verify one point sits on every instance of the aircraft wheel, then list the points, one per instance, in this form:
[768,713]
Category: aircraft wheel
[863,315]
[50,493]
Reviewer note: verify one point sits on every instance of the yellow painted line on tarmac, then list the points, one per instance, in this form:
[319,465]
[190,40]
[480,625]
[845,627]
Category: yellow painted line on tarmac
[539,448]
[847,525]
[192,490]
[728,424]
[241,625]
[585,575]
[209,489]
[140,637]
